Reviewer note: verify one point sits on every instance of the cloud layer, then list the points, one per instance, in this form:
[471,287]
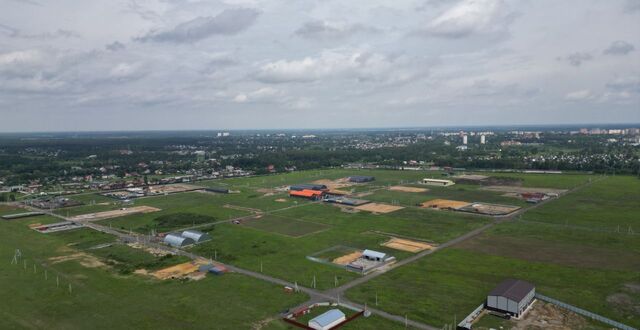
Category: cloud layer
[228,22]
[270,64]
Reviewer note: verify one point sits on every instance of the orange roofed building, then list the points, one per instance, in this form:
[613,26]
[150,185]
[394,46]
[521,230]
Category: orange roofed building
[306,193]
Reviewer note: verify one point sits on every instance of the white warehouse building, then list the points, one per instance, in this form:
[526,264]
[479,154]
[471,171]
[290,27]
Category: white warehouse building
[511,297]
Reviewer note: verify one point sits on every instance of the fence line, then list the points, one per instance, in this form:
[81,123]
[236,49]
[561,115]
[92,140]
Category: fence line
[585,313]
[618,230]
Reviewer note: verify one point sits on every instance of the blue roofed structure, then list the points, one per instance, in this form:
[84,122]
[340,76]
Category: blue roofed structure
[327,320]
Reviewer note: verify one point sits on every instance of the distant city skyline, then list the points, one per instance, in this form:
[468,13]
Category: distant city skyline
[257,64]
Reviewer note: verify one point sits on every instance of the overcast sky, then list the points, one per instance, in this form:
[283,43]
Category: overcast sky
[71,65]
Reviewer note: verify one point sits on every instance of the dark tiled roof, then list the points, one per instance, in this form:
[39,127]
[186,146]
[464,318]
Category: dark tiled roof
[512,289]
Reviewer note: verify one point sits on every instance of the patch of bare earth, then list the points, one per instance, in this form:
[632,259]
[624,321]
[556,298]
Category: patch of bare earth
[82,258]
[262,323]
[548,316]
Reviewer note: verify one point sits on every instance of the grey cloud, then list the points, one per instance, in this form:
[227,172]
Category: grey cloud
[625,84]
[619,48]
[29,2]
[576,59]
[115,46]
[13,32]
[228,22]
[632,5]
[326,30]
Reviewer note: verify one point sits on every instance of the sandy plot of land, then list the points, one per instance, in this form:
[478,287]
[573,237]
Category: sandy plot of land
[379,208]
[172,188]
[154,251]
[177,271]
[443,204]
[490,209]
[347,258]
[408,189]
[84,259]
[407,245]
[114,213]
[519,190]
[335,184]
[281,200]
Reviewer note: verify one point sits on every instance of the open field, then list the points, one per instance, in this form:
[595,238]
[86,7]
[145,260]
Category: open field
[453,282]
[285,257]
[574,261]
[559,181]
[607,203]
[189,202]
[98,293]
[559,246]
[469,193]
[284,226]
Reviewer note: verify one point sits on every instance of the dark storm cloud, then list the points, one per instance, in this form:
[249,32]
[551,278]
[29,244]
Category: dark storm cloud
[619,48]
[228,22]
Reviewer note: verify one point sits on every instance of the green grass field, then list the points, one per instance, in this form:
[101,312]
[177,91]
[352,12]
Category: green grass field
[451,283]
[570,248]
[103,298]
[560,247]
[285,226]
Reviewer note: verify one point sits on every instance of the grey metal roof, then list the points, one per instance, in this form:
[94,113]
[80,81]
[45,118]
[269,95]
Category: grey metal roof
[512,289]
[196,235]
[328,317]
[177,240]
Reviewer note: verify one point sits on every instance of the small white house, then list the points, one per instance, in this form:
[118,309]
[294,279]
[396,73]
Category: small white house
[327,320]
[374,255]
[437,182]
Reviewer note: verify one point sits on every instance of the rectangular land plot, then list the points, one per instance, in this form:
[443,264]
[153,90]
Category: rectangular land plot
[285,226]
[114,213]
[489,209]
[408,189]
[407,245]
[379,208]
[444,204]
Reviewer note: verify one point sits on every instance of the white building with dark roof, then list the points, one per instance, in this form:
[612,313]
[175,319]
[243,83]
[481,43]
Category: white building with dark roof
[511,297]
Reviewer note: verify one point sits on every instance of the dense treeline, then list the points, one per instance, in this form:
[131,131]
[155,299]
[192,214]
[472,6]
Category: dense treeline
[54,159]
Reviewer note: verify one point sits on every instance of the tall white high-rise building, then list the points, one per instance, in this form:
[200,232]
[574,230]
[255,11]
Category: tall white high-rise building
[464,139]
[483,139]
